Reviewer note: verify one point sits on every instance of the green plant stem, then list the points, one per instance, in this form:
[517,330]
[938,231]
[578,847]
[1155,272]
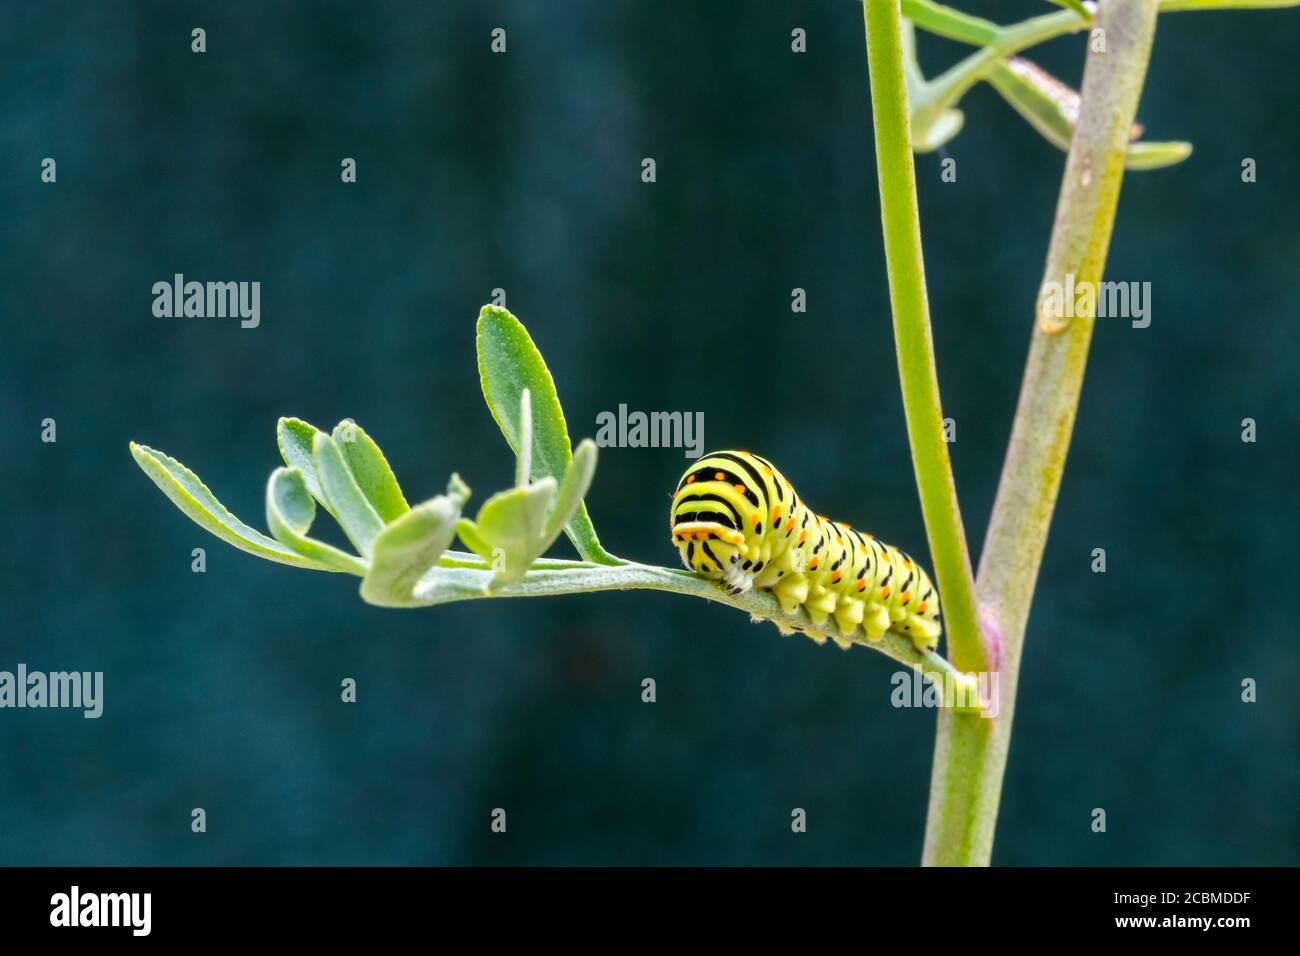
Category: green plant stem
[970,754]
[900,221]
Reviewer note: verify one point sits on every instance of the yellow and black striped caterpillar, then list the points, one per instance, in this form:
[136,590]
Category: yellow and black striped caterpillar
[738,521]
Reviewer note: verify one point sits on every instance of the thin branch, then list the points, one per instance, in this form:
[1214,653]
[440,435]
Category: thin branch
[1049,396]
[950,86]
[970,755]
[950,23]
[464,577]
[901,224]
[931,98]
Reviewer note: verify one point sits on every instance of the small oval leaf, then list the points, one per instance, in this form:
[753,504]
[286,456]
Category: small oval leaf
[371,470]
[201,506]
[358,519]
[509,362]
[406,549]
[468,533]
[290,510]
[295,437]
[508,531]
[953,24]
[1143,155]
[1075,5]
[929,136]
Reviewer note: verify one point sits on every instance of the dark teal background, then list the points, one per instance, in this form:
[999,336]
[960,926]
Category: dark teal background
[522,172]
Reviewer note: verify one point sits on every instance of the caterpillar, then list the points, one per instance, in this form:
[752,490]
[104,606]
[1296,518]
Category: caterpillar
[737,520]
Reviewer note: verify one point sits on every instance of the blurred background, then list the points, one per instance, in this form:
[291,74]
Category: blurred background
[522,172]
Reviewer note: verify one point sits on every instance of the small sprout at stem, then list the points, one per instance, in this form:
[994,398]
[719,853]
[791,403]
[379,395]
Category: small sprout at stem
[457,490]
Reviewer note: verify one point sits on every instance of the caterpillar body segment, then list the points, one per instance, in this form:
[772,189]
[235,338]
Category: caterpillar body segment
[737,520]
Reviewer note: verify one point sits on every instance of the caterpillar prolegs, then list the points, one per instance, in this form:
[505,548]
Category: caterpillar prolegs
[737,520]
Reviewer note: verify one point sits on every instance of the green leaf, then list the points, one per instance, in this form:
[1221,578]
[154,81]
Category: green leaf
[1156,155]
[201,506]
[577,479]
[1052,108]
[290,510]
[370,469]
[289,504]
[1075,5]
[508,532]
[409,546]
[929,135]
[953,24]
[515,527]
[295,437]
[359,520]
[468,533]
[509,362]
[524,452]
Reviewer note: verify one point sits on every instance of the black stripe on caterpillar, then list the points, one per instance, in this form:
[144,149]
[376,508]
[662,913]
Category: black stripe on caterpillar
[737,520]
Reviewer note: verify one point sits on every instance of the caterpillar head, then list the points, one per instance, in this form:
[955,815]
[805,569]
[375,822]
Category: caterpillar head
[707,547]
[705,531]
